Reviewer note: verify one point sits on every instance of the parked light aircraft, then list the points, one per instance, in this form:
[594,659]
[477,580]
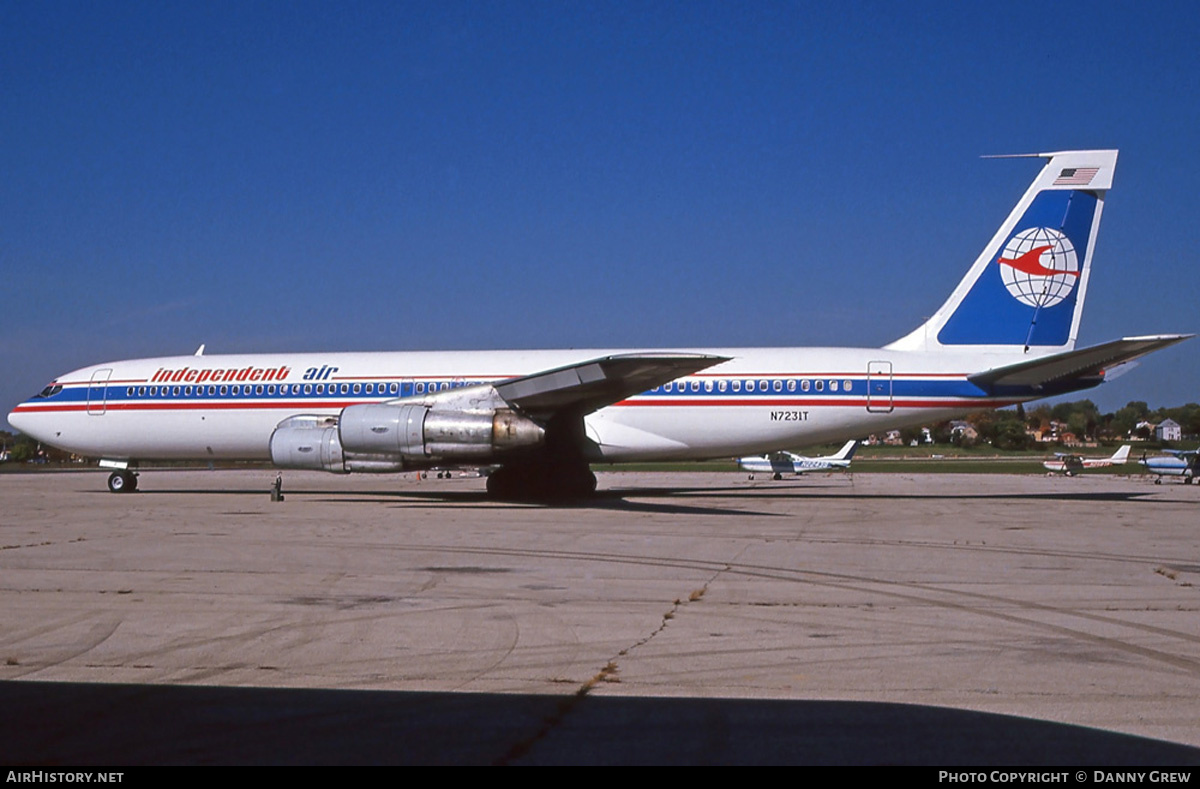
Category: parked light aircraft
[1070,463]
[1005,335]
[779,463]
[1176,463]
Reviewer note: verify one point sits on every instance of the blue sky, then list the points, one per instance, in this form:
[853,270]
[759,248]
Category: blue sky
[292,176]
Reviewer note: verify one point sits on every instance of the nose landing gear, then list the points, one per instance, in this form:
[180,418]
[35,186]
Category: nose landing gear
[122,481]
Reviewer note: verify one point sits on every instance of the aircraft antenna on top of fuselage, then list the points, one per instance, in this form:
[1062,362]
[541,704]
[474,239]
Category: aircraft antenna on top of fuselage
[199,351]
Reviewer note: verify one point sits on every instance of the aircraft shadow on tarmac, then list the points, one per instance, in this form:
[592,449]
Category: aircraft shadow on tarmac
[43,723]
[459,498]
[662,499]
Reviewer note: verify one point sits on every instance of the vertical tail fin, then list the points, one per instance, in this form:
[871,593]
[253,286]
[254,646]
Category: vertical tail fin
[1026,290]
[847,451]
[1121,455]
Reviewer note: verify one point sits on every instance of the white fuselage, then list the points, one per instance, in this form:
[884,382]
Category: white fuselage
[761,400]
[789,464]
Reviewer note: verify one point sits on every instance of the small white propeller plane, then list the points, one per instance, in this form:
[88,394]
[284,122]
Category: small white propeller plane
[779,463]
[1071,463]
[1005,335]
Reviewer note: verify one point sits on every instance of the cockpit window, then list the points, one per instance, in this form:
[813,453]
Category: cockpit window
[49,391]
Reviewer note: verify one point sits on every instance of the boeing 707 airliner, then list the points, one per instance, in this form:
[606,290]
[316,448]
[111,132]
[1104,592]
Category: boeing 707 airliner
[1005,335]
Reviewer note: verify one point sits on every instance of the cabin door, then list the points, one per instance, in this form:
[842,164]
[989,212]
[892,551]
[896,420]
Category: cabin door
[97,402]
[879,387]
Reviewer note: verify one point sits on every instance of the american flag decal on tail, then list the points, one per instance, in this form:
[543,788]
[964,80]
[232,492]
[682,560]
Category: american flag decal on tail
[1076,176]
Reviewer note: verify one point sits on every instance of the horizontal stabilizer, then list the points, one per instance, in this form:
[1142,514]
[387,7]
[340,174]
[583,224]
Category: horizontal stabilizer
[591,385]
[1070,365]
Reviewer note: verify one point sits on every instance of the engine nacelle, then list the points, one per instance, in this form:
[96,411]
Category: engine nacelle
[421,433]
[381,438]
[308,442]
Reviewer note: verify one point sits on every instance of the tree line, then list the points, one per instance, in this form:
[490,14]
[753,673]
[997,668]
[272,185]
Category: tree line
[1011,428]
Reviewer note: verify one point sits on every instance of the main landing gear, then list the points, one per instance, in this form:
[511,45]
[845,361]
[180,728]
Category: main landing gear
[541,481]
[122,481]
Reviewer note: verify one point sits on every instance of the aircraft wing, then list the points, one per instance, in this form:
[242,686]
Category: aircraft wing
[1046,371]
[591,385]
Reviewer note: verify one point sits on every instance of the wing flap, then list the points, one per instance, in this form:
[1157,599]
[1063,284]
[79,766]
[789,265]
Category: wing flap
[591,385]
[1046,371]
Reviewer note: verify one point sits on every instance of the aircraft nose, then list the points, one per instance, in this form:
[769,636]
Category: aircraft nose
[21,421]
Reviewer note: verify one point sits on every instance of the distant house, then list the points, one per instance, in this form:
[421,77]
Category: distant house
[964,430]
[1168,430]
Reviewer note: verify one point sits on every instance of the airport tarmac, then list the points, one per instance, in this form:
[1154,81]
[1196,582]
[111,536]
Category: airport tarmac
[676,618]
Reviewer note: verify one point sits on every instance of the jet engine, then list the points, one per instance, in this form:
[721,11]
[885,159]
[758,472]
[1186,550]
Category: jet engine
[389,437]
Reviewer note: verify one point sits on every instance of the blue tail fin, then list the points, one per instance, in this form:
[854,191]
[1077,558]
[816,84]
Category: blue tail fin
[1026,291]
[847,451]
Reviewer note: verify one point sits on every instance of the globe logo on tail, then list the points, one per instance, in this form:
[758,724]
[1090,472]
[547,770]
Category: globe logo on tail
[1039,267]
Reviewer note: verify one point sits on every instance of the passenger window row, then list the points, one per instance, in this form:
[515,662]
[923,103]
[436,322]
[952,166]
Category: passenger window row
[395,389]
[737,385]
[380,388]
